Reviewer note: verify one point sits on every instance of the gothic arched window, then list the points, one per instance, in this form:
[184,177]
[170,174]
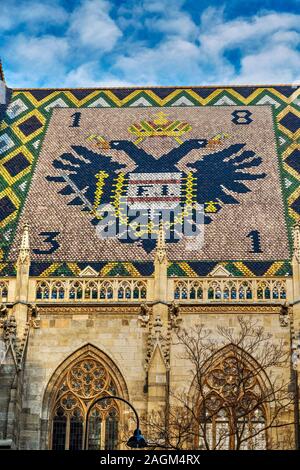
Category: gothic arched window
[232,413]
[82,384]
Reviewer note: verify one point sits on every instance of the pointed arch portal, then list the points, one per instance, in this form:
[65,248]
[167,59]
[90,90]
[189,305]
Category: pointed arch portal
[86,375]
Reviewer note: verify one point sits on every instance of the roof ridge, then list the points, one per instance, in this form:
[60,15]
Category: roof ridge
[149,87]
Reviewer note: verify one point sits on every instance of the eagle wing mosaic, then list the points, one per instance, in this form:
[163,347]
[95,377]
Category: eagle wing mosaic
[65,167]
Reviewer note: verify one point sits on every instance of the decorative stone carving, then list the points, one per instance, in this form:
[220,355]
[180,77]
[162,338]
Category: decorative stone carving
[144,316]
[10,329]
[174,315]
[158,337]
[35,318]
[220,309]
[21,345]
[90,310]
[3,314]
[9,326]
[24,251]
[3,310]
[34,311]
[157,326]
[161,253]
[296,236]
[284,315]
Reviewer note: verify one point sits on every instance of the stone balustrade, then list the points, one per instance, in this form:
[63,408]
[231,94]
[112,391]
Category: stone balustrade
[198,290]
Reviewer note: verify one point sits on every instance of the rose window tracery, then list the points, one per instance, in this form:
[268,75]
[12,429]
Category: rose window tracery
[87,379]
[83,383]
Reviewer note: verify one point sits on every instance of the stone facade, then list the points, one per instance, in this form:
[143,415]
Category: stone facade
[135,339]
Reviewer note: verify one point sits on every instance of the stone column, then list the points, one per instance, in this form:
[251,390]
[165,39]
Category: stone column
[157,361]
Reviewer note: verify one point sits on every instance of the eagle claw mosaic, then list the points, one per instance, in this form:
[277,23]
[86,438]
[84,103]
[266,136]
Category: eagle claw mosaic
[231,154]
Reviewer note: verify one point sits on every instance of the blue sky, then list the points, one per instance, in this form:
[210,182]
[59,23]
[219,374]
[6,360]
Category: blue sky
[79,43]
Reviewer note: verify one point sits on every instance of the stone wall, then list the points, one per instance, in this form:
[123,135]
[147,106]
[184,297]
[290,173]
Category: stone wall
[59,337]
[121,337]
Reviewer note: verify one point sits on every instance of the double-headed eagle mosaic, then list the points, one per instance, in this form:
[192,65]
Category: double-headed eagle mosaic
[218,177]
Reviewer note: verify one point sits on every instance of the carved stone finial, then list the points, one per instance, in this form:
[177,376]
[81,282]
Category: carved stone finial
[296,235]
[161,253]
[24,251]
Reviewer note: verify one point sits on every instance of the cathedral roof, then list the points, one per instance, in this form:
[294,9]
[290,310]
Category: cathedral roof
[227,157]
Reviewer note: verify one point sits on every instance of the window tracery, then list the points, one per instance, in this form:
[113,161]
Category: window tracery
[83,383]
[232,414]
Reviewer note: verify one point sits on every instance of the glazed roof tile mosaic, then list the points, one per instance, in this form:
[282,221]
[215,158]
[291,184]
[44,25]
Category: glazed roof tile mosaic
[72,159]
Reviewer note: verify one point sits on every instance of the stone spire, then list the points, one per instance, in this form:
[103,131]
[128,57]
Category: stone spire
[161,254]
[24,250]
[20,308]
[296,234]
[161,266]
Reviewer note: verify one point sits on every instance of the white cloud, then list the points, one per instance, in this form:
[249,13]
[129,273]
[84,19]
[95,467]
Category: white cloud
[172,50]
[88,75]
[156,16]
[175,23]
[37,58]
[162,6]
[175,57]
[218,35]
[33,13]
[49,60]
[267,44]
[92,27]
[279,64]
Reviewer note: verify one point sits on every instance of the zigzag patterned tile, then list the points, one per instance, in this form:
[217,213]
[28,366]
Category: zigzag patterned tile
[224,101]
[99,103]
[183,101]
[140,102]
[6,143]
[16,108]
[59,103]
[287,182]
[267,99]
